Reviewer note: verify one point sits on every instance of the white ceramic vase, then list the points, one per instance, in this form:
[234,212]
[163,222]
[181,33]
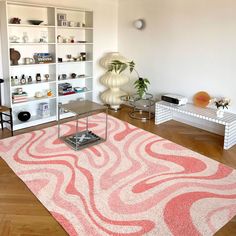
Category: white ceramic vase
[113,81]
[220,112]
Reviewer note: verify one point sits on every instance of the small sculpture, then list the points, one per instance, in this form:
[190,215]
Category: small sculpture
[15,20]
[46,76]
[14,56]
[24,116]
[73,75]
[83,56]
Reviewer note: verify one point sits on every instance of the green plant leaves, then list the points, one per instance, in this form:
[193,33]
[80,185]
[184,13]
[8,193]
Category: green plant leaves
[141,85]
[119,66]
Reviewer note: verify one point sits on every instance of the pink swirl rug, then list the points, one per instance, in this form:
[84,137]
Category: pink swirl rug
[136,183]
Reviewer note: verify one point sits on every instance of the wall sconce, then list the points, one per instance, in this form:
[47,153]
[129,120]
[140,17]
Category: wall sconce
[139,24]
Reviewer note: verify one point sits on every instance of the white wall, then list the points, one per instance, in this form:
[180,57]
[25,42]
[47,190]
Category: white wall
[105,29]
[187,46]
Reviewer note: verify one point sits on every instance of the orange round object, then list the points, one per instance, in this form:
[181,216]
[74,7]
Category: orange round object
[201,99]
[49,93]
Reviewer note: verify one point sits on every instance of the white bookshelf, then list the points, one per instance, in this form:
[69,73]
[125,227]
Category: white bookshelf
[49,28]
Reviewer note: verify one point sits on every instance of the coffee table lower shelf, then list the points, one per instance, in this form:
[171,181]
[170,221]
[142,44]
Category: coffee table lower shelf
[82,140]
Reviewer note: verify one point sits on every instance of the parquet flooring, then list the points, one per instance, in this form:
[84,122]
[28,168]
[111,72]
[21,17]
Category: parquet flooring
[21,214]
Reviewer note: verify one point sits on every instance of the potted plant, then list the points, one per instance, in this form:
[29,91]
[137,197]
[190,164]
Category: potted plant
[221,104]
[141,84]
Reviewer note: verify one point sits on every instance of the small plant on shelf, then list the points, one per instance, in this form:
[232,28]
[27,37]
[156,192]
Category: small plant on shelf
[141,84]
[221,103]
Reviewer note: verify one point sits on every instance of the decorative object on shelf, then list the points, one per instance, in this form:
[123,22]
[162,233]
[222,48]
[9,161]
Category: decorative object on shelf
[72,24]
[12,81]
[46,77]
[49,93]
[19,91]
[23,80]
[15,20]
[79,24]
[60,39]
[62,23]
[29,80]
[16,80]
[73,75]
[14,56]
[69,57]
[43,37]
[82,41]
[83,56]
[83,25]
[25,37]
[81,75]
[38,77]
[61,16]
[38,94]
[141,84]
[14,39]
[64,76]
[44,109]
[78,89]
[113,79]
[41,58]
[35,22]
[19,96]
[59,59]
[201,99]
[221,104]
[65,89]
[72,39]
[139,24]
[28,60]
[24,116]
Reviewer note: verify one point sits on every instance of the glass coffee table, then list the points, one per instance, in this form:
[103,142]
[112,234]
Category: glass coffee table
[84,138]
[141,106]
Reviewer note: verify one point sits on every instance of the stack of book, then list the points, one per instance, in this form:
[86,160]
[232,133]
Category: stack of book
[65,89]
[17,98]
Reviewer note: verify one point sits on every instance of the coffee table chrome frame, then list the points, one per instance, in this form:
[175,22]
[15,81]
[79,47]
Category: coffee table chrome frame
[77,116]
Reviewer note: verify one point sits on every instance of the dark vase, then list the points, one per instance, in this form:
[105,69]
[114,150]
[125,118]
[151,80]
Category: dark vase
[24,116]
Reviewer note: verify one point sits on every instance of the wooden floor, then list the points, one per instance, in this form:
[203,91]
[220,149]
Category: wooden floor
[21,214]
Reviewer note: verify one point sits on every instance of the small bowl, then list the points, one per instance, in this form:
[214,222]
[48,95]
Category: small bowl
[35,22]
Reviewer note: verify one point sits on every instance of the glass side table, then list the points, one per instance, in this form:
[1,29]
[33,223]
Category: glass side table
[85,138]
[141,106]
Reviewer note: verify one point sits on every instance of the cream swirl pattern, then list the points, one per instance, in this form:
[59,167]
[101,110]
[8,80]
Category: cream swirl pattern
[136,183]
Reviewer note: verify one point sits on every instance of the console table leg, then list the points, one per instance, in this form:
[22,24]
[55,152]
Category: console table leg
[230,136]
[162,115]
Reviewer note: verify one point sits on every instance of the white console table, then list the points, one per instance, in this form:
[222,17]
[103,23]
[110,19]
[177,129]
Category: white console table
[165,111]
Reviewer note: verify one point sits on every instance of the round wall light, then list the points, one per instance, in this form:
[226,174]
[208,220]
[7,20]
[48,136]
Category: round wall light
[139,24]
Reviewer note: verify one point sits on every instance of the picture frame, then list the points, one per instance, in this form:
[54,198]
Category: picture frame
[61,16]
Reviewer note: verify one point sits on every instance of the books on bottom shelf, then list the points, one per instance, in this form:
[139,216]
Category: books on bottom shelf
[17,98]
